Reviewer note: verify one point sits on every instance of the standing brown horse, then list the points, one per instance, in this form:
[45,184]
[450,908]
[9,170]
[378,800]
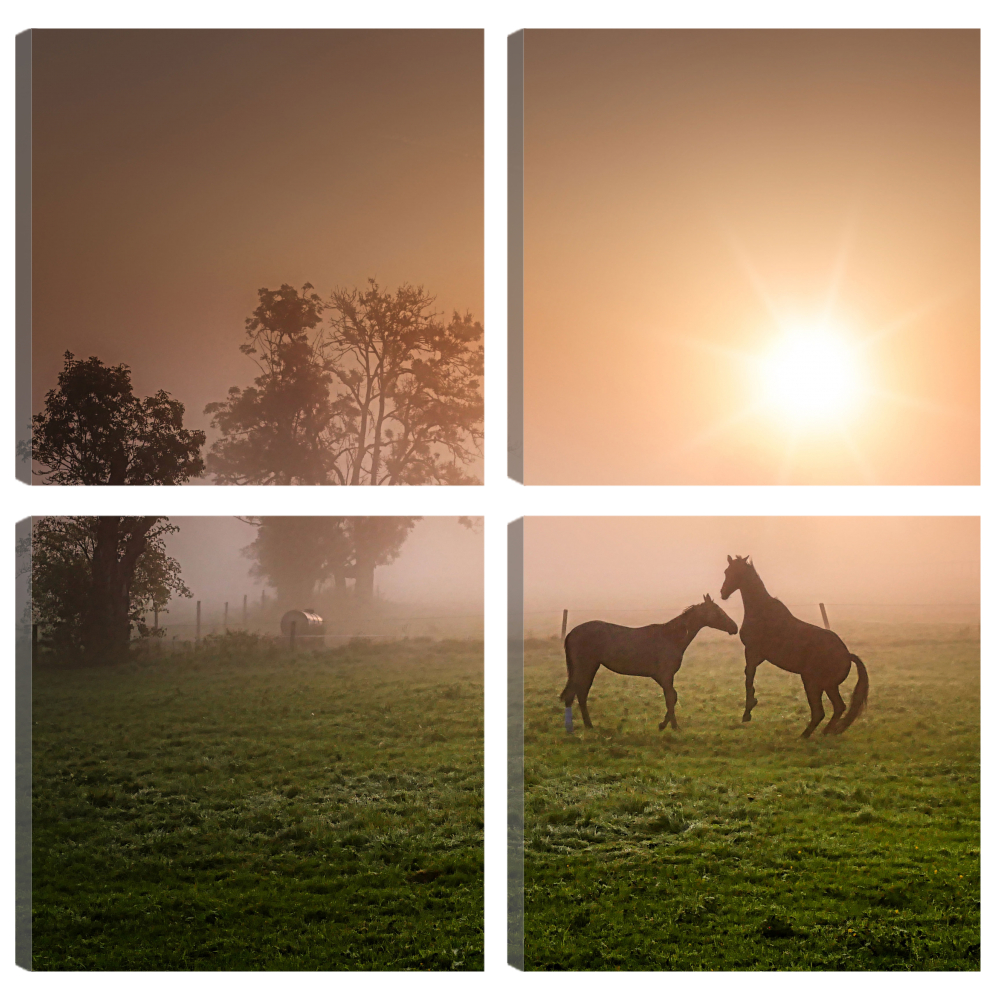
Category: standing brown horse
[651,651]
[771,632]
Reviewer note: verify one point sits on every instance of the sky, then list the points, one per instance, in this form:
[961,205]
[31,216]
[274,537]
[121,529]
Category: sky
[646,569]
[440,566]
[751,257]
[176,172]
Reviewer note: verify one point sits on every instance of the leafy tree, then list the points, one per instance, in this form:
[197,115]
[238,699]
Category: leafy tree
[299,555]
[276,432]
[95,579]
[94,431]
[413,388]
[384,394]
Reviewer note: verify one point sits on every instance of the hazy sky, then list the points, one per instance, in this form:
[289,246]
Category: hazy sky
[176,172]
[597,565]
[440,563]
[695,201]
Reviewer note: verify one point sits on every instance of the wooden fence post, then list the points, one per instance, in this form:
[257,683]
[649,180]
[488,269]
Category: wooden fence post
[562,635]
[826,621]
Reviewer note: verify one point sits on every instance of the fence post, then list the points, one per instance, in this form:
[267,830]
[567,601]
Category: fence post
[197,626]
[244,611]
[822,611]
[562,635]
[291,636]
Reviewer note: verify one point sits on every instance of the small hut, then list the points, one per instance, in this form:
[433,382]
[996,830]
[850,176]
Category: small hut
[309,629]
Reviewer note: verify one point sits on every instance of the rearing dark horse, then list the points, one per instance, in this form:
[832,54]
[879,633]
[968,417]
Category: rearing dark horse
[651,651]
[771,632]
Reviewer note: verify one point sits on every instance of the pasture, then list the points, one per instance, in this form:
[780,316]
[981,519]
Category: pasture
[240,808]
[732,846]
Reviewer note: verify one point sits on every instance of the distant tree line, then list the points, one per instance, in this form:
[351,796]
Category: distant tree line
[365,388]
[299,556]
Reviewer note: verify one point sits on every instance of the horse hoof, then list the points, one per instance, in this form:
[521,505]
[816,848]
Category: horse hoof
[662,726]
[746,716]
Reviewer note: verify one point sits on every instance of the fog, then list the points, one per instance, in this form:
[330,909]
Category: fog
[177,172]
[645,569]
[437,580]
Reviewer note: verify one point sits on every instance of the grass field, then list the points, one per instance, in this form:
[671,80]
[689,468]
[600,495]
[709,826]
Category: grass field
[243,809]
[731,846]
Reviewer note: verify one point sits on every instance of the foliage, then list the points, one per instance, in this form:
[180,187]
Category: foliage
[322,811]
[732,846]
[276,431]
[94,431]
[384,394]
[298,555]
[62,576]
[414,387]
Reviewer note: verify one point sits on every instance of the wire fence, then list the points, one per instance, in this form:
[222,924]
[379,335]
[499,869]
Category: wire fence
[558,621]
[264,618]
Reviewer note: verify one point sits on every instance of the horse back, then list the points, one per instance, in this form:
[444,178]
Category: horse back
[789,642]
[625,650]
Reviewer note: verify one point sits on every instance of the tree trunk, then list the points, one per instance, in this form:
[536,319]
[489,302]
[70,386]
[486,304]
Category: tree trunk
[107,630]
[364,581]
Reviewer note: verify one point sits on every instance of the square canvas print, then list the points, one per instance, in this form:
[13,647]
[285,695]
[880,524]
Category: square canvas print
[674,817]
[255,257]
[253,744]
[749,257]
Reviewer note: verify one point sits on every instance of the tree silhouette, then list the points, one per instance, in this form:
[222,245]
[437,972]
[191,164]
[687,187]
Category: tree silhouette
[298,555]
[95,432]
[94,580]
[413,387]
[276,432]
[384,394]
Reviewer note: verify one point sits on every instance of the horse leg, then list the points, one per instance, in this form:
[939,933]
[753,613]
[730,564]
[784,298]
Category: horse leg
[751,671]
[814,692]
[583,689]
[670,698]
[833,693]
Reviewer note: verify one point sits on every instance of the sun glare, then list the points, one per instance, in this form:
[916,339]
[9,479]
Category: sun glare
[810,375]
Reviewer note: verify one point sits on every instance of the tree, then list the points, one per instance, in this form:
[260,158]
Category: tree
[94,431]
[299,555]
[413,388]
[276,432]
[385,394]
[94,580]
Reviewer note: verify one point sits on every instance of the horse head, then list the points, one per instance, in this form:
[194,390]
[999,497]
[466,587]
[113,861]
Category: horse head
[736,573]
[711,615]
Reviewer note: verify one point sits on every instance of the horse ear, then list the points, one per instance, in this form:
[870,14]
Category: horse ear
[730,558]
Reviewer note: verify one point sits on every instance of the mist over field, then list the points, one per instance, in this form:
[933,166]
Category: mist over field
[437,579]
[862,568]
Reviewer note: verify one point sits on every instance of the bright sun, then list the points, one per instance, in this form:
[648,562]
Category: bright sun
[810,375]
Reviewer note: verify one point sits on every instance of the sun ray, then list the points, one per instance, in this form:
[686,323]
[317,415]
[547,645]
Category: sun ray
[923,404]
[752,275]
[839,269]
[714,430]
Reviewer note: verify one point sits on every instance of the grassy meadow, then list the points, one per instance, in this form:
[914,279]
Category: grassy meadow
[241,808]
[732,846]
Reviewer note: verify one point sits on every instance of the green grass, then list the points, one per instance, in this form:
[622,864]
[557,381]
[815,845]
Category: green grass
[731,846]
[248,810]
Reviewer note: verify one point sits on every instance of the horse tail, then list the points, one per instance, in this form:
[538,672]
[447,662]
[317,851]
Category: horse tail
[568,694]
[860,697]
